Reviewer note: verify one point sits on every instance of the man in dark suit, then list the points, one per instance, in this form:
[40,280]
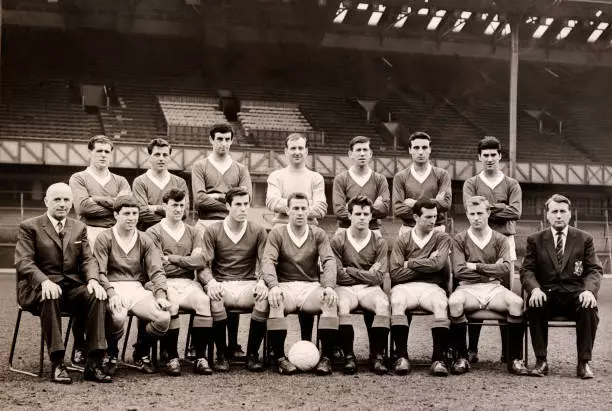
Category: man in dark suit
[56,272]
[561,275]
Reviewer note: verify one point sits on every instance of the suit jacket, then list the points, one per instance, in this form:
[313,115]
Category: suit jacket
[42,255]
[579,271]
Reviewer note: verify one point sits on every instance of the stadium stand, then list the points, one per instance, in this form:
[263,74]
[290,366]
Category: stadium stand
[457,100]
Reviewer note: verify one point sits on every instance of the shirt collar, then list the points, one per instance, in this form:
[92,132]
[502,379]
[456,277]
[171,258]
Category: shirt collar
[55,221]
[297,240]
[234,237]
[564,231]
[126,246]
[421,177]
[421,241]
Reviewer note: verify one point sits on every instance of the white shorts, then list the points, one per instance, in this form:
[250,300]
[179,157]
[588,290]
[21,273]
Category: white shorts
[405,229]
[357,291]
[92,234]
[131,293]
[298,291]
[235,293]
[419,291]
[180,288]
[512,245]
[483,292]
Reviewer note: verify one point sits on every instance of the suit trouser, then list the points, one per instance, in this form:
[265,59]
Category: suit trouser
[76,300]
[561,302]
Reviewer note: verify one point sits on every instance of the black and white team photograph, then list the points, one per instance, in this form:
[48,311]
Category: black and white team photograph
[305,204]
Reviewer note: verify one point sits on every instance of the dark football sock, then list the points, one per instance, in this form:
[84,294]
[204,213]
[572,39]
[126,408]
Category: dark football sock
[219,332]
[277,341]
[474,335]
[328,342]
[346,337]
[458,333]
[441,337]
[257,330]
[306,323]
[400,340]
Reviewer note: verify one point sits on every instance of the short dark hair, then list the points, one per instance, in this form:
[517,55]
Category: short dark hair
[420,204]
[489,143]
[558,198]
[125,201]
[296,196]
[418,135]
[236,192]
[475,201]
[358,140]
[102,139]
[295,136]
[158,142]
[175,194]
[361,201]
[221,128]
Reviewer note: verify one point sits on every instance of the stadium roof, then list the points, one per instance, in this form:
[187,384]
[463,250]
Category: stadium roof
[568,31]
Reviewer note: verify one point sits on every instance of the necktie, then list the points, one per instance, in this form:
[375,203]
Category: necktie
[559,247]
[60,229]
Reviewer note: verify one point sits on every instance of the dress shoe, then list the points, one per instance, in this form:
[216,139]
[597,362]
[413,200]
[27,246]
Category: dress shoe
[173,367]
[378,366]
[583,370]
[145,365]
[96,374]
[517,367]
[473,357]
[350,365]
[78,358]
[201,367]
[460,366]
[401,366]
[59,374]
[222,364]
[438,368]
[324,367]
[285,367]
[254,364]
[540,369]
[109,365]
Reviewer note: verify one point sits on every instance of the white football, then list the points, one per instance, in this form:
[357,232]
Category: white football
[304,355]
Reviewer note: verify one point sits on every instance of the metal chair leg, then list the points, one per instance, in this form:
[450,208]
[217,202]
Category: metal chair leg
[13,346]
[126,338]
[42,355]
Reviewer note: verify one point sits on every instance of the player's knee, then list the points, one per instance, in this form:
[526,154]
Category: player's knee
[329,310]
[344,306]
[455,304]
[398,307]
[277,312]
[174,309]
[162,322]
[440,308]
[262,306]
[515,305]
[202,307]
[381,307]
[217,309]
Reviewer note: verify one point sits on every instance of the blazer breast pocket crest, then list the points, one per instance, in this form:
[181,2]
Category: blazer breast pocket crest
[578,269]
